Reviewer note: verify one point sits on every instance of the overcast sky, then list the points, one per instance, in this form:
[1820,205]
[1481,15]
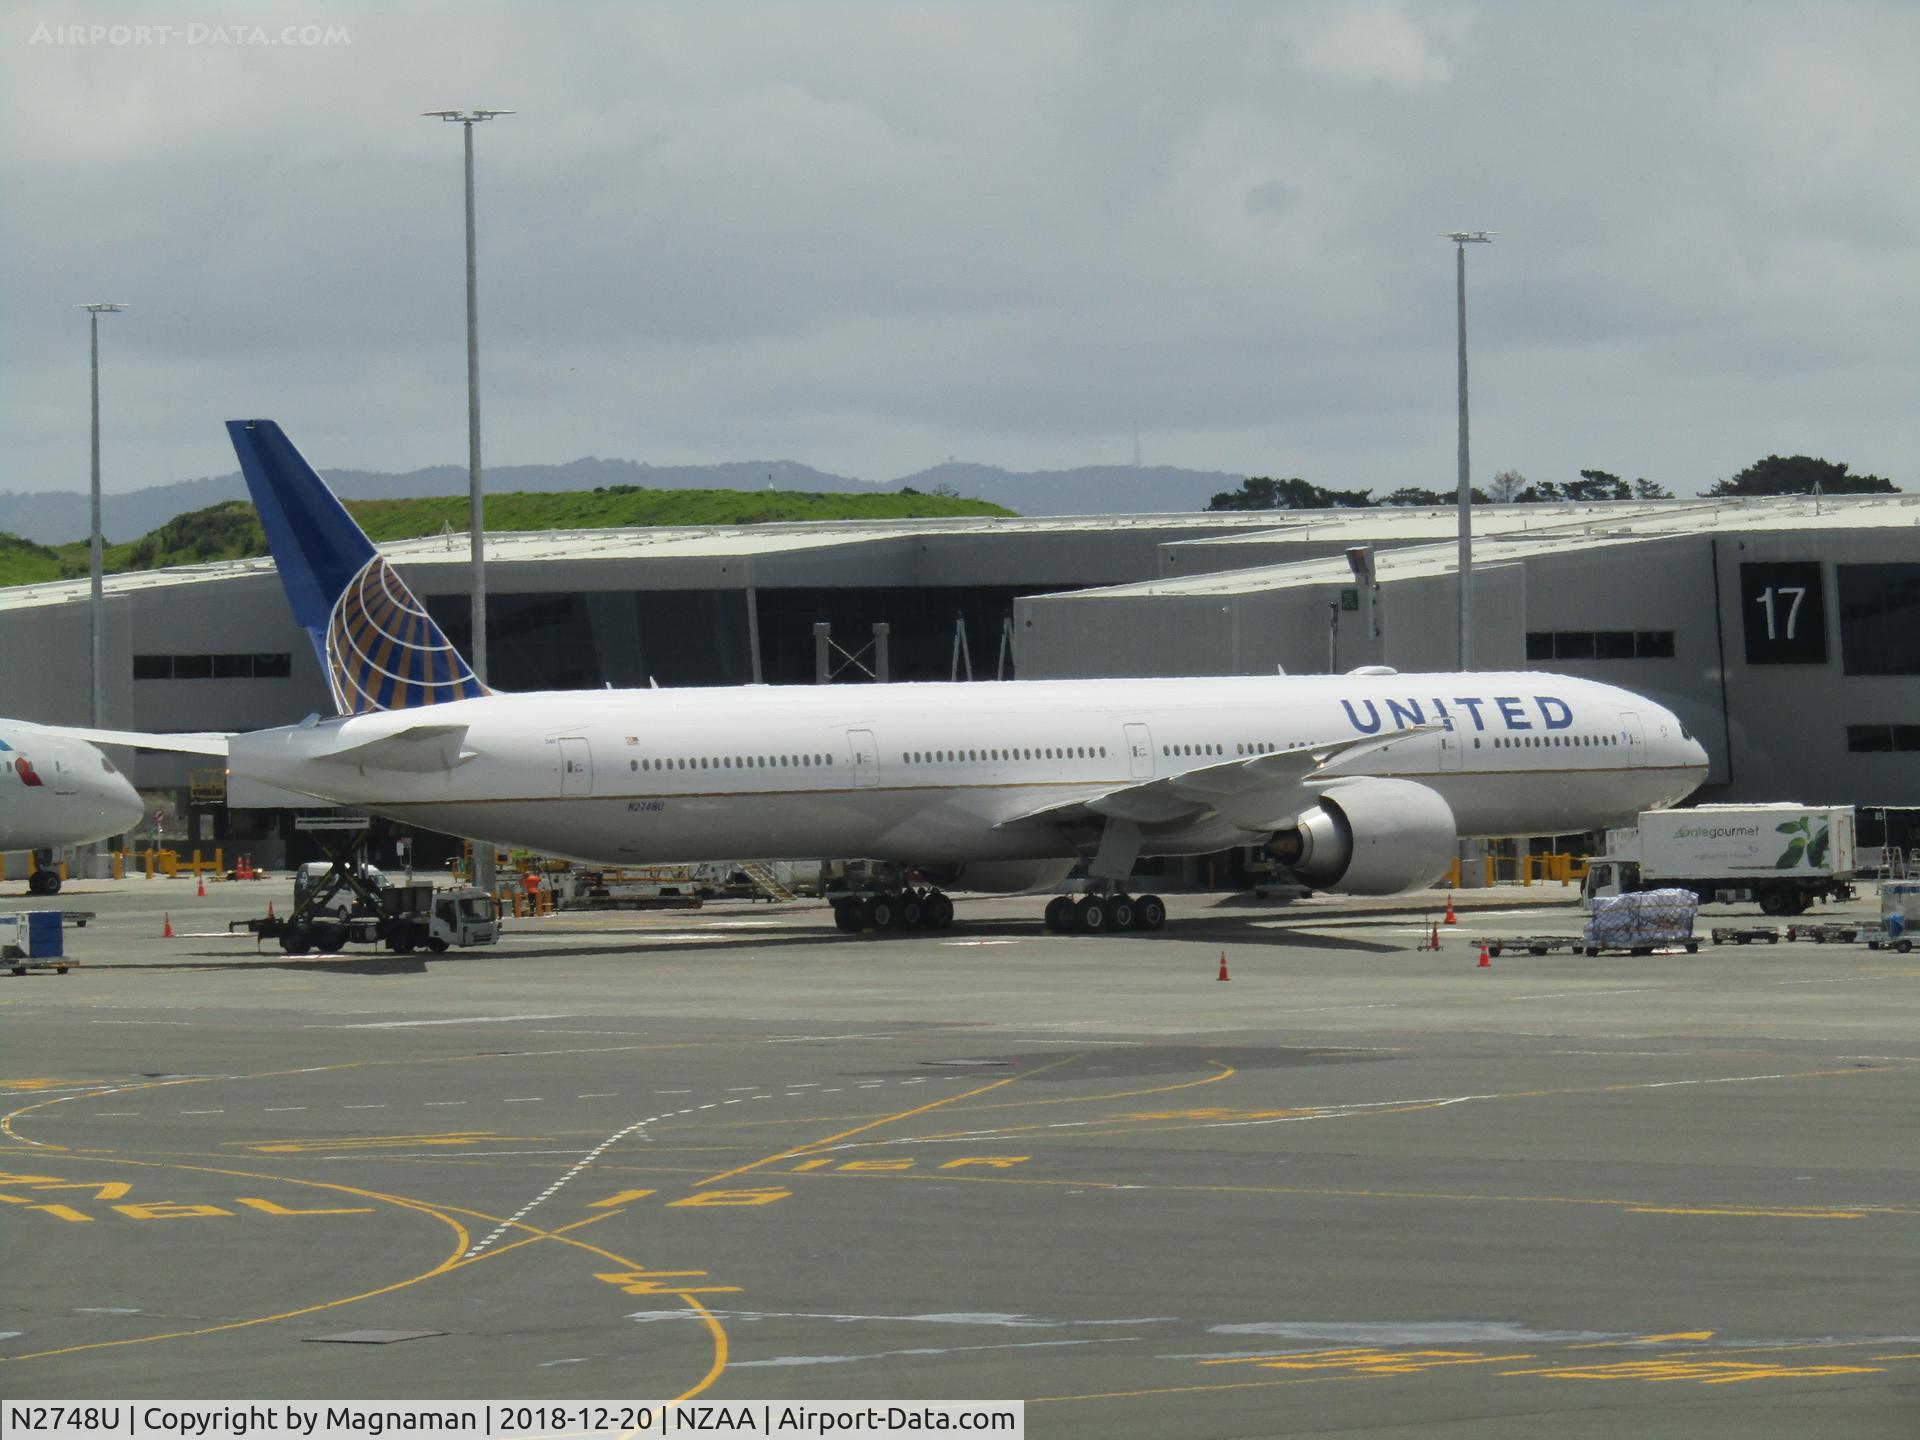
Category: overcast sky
[872,236]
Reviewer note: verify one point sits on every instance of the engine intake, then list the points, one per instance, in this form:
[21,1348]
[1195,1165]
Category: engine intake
[1370,836]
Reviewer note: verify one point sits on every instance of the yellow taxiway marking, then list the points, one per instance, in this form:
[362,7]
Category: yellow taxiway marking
[620,1199]
[1368,1360]
[1706,1372]
[44,1083]
[1676,1336]
[375,1142]
[1749,1211]
[453,1261]
[809,1147]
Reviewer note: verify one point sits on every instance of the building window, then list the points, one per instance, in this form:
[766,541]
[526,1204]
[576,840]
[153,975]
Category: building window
[1879,619]
[1599,644]
[1883,739]
[212,667]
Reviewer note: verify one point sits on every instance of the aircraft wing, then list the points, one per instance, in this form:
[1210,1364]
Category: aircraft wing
[195,743]
[1256,792]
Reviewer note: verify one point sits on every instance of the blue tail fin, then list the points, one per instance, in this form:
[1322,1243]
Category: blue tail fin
[378,646]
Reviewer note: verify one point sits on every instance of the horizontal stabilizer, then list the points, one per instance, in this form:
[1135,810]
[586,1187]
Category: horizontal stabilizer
[419,749]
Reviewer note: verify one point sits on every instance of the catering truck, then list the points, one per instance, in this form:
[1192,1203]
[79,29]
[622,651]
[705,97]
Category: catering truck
[1782,857]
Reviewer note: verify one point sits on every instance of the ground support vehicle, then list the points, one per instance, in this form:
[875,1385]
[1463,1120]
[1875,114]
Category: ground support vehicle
[1829,934]
[1782,857]
[32,941]
[1747,934]
[351,902]
[1532,944]
[1899,915]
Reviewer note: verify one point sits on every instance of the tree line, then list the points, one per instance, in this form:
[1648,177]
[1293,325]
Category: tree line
[1775,475]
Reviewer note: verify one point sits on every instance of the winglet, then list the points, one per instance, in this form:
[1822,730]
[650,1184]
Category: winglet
[376,642]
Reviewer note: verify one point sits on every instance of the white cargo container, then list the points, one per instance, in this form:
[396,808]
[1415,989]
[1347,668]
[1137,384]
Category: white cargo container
[1784,857]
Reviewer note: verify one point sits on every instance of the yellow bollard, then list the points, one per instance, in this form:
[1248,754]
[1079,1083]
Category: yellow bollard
[119,864]
[219,863]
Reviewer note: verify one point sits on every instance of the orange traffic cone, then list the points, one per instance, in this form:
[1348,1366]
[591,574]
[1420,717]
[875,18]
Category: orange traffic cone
[1485,963]
[201,892]
[1223,967]
[1433,941]
[166,932]
[1450,920]
[269,909]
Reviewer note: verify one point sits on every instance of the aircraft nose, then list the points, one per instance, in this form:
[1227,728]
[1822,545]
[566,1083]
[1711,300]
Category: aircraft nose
[125,810]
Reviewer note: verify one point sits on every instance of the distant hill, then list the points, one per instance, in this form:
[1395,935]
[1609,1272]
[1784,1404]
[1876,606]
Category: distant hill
[50,516]
[230,530]
[1088,490]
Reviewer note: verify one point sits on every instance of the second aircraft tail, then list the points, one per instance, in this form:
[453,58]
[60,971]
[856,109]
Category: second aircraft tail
[377,644]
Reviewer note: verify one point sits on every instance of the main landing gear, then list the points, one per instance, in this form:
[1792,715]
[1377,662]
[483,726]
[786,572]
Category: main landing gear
[1097,914]
[906,909]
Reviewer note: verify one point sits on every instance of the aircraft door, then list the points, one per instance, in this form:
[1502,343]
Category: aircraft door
[1140,752]
[1636,734]
[66,779]
[1449,749]
[576,766]
[866,757]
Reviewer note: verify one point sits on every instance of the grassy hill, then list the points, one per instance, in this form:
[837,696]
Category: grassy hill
[230,530]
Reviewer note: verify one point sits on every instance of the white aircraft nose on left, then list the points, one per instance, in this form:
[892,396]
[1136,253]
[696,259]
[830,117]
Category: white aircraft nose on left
[57,789]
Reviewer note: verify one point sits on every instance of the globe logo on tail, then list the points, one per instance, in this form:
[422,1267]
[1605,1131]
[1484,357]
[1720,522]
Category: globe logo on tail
[385,653]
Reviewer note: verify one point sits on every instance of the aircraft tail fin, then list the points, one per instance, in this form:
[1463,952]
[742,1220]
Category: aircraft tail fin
[377,644]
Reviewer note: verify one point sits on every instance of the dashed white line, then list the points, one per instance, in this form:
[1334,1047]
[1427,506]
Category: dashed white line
[445,1102]
[275,1109]
[521,1100]
[203,1112]
[381,1106]
[598,1095]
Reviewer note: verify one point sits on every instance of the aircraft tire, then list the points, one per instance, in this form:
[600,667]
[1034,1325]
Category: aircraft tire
[939,911]
[1124,913]
[913,911]
[296,940]
[1093,913]
[1149,912]
[1059,915]
[883,912]
[44,882]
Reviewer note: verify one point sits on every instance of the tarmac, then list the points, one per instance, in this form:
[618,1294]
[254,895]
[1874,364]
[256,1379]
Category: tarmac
[1356,1187]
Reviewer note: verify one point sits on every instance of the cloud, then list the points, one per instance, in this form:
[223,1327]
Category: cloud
[870,236]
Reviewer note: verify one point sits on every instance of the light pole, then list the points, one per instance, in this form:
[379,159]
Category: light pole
[476,529]
[467,119]
[95,562]
[1461,239]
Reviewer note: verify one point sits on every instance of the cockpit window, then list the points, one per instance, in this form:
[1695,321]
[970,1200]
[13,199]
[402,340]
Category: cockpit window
[1685,734]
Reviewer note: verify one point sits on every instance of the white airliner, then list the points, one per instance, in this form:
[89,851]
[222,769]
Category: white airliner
[1362,783]
[55,790]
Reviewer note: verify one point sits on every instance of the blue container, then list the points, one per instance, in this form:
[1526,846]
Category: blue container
[44,938]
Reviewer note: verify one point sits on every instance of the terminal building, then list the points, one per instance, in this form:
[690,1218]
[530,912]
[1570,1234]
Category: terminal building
[1785,632]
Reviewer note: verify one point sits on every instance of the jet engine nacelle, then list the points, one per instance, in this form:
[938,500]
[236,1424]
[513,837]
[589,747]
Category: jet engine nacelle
[1371,837]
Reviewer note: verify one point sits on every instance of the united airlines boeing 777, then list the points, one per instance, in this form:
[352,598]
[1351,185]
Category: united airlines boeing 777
[1362,783]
